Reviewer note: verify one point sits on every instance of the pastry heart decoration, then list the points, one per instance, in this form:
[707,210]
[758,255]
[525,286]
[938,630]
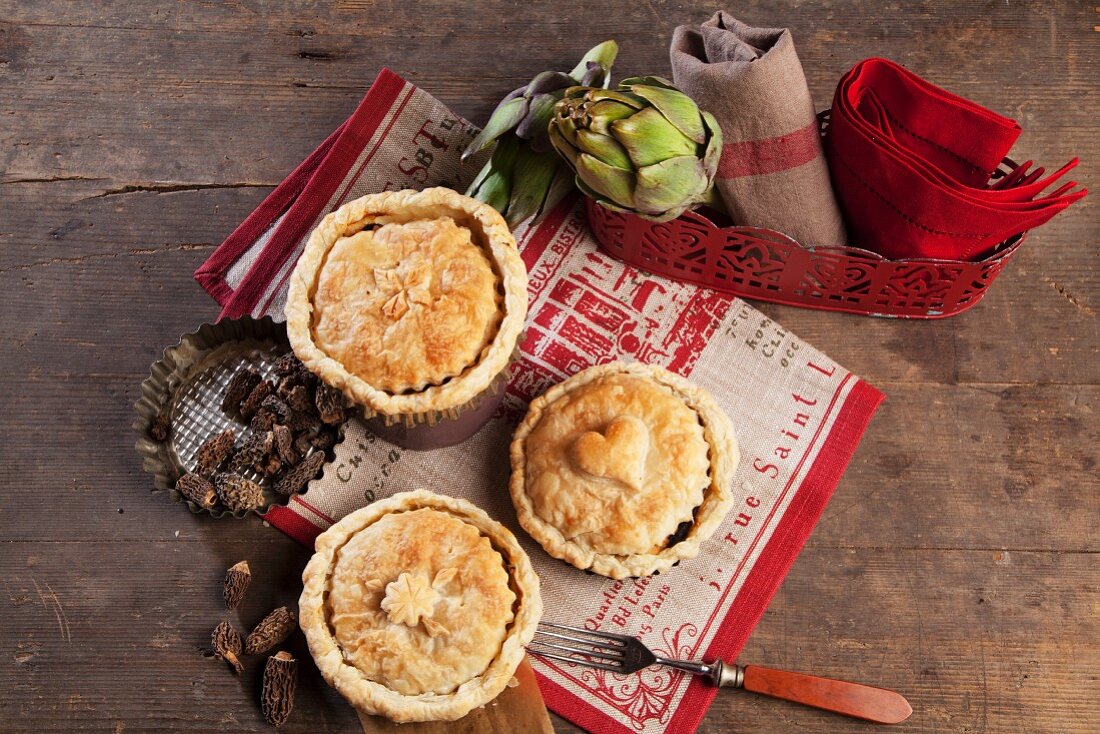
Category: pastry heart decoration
[411,599]
[619,453]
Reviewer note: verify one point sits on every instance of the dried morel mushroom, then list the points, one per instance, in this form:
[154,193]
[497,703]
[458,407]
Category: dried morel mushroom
[197,489]
[288,365]
[253,452]
[237,579]
[226,642]
[284,445]
[240,385]
[212,454]
[237,493]
[296,479]
[303,420]
[160,427]
[280,680]
[276,405]
[303,443]
[325,439]
[264,420]
[256,398]
[330,404]
[298,398]
[272,629]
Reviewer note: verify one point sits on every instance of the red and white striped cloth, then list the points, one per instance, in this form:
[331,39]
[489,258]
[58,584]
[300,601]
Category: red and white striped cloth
[799,415]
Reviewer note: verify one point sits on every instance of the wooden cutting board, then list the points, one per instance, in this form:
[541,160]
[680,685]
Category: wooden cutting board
[519,709]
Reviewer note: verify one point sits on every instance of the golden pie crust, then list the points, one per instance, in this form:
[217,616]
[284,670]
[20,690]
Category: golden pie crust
[418,607]
[410,302]
[612,463]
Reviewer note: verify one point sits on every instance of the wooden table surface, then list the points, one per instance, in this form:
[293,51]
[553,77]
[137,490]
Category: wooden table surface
[957,562]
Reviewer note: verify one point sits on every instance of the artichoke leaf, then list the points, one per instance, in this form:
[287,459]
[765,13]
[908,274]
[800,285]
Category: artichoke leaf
[532,176]
[594,76]
[567,128]
[596,95]
[650,138]
[649,81]
[533,126]
[603,55]
[559,189]
[496,190]
[601,114]
[612,183]
[677,107]
[563,146]
[505,117]
[672,184]
[548,81]
[493,184]
[599,198]
[714,145]
[604,147]
[472,189]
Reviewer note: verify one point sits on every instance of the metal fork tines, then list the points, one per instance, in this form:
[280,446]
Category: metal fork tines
[591,648]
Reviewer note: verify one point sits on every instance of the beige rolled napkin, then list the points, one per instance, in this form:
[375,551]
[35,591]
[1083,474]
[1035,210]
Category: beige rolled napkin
[773,172]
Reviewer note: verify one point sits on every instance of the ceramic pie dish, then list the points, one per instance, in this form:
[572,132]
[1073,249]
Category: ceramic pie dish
[418,607]
[410,302]
[623,469]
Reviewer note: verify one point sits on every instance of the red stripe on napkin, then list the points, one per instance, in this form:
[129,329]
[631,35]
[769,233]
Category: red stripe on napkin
[293,524]
[771,155]
[211,274]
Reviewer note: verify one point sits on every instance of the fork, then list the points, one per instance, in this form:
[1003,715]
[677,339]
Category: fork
[624,654]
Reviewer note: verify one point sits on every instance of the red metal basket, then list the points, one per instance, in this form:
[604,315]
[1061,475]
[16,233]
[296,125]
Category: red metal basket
[769,266]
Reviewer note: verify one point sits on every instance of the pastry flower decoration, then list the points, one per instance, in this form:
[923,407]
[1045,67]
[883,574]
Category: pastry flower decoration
[401,293]
[411,599]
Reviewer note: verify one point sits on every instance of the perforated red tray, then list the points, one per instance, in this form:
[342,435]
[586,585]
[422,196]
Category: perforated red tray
[769,266]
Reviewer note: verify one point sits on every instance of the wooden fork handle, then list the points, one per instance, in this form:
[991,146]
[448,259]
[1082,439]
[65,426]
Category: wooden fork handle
[851,699]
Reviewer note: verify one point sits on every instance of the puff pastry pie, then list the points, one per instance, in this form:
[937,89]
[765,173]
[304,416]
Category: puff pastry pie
[418,607]
[623,469]
[411,302]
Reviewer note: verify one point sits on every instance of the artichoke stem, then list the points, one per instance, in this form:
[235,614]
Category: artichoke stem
[713,200]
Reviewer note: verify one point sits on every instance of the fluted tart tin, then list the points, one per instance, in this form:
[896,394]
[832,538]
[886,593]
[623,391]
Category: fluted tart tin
[184,393]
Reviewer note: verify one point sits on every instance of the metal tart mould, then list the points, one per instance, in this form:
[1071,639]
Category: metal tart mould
[439,429]
[188,383]
[436,430]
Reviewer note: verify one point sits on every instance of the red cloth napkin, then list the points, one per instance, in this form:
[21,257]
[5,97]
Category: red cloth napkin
[911,166]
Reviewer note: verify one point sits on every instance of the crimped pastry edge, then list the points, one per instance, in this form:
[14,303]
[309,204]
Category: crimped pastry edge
[375,698]
[717,501]
[378,208]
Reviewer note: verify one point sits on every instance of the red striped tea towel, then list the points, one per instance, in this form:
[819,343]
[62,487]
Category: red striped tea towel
[799,415]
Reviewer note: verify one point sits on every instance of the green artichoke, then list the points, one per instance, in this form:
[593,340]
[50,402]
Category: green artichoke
[645,148]
[525,178]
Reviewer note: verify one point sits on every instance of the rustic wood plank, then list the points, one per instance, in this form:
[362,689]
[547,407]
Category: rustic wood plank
[193,92]
[963,635]
[956,562]
[106,633]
